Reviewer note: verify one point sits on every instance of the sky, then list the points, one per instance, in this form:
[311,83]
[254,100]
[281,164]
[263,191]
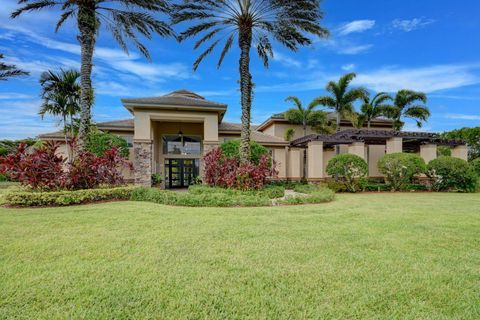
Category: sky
[426,45]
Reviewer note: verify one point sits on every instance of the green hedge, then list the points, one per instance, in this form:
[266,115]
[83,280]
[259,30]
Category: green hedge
[23,198]
[452,174]
[321,195]
[199,199]
[269,191]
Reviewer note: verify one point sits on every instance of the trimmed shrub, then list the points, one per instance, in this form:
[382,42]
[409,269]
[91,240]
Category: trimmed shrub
[350,169]
[400,168]
[19,197]
[271,192]
[476,166]
[452,174]
[99,142]
[231,149]
[321,195]
[306,188]
[187,199]
[156,179]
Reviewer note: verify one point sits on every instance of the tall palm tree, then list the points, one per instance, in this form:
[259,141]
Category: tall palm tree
[341,98]
[8,71]
[374,107]
[125,19]
[253,23]
[408,104]
[61,97]
[307,116]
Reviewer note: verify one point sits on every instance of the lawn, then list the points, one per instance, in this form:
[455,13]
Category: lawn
[369,256]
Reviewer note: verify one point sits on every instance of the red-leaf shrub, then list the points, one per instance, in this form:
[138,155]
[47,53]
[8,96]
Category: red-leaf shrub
[38,168]
[228,172]
[44,169]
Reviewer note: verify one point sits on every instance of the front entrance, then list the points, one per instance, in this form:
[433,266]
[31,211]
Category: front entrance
[181,173]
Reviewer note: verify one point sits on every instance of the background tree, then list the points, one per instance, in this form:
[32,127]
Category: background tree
[471,137]
[61,97]
[305,116]
[253,23]
[289,134]
[374,107]
[8,71]
[408,104]
[341,98]
[123,18]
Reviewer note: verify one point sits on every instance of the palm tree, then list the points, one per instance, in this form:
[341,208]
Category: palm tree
[61,97]
[8,71]
[123,18]
[408,104]
[341,98]
[254,23]
[307,116]
[375,107]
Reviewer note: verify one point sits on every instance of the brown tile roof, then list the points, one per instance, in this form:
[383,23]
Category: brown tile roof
[375,136]
[176,98]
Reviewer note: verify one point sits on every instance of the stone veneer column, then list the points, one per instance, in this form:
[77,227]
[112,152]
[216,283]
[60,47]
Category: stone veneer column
[460,152]
[428,152]
[143,162]
[315,160]
[394,145]
[357,148]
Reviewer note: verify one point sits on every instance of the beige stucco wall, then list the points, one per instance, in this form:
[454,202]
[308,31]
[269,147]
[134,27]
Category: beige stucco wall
[280,158]
[295,163]
[315,160]
[428,152]
[460,152]
[394,145]
[327,155]
[375,153]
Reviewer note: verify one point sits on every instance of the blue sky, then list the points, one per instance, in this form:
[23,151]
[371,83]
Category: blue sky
[427,45]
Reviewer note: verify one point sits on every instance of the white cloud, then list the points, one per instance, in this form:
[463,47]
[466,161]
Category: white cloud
[412,127]
[348,67]
[14,95]
[455,116]
[410,25]
[355,49]
[356,27]
[426,79]
[286,60]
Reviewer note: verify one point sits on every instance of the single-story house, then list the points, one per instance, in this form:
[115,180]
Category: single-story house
[170,134]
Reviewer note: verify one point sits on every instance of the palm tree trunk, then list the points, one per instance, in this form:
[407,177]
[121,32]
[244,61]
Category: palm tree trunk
[87,28]
[304,151]
[337,148]
[245,43]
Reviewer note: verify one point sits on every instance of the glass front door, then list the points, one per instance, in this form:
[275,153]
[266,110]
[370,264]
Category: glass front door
[181,173]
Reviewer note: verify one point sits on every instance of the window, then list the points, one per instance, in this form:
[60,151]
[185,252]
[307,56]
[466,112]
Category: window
[184,145]
[129,139]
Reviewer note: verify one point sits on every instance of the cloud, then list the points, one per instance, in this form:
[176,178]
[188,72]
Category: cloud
[14,95]
[355,49]
[410,25]
[286,60]
[426,79]
[348,67]
[455,116]
[356,27]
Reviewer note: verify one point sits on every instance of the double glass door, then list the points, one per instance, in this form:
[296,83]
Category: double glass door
[181,173]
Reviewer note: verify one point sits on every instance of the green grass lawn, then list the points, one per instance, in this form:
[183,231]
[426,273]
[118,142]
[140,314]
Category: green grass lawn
[367,256]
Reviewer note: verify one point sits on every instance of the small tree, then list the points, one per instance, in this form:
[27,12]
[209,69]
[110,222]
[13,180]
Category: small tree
[231,149]
[400,168]
[350,169]
[98,142]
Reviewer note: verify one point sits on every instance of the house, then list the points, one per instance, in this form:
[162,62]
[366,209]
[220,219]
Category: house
[170,134]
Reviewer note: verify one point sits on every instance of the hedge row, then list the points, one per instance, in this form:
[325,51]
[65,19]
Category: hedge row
[23,198]
[321,195]
[269,191]
[209,198]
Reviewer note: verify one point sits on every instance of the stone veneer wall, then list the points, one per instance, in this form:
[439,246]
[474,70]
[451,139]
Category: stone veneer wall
[143,162]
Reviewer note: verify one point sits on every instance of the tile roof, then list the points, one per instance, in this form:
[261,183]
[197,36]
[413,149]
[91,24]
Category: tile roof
[176,98]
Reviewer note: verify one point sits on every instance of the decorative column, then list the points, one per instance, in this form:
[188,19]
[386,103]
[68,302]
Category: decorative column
[143,149]
[295,164]
[357,148]
[460,152]
[315,160]
[428,152]
[394,145]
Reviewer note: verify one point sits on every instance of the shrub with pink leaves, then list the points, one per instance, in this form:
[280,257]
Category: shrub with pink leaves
[45,169]
[228,172]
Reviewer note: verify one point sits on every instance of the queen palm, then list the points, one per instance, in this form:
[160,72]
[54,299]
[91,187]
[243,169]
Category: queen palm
[408,104]
[125,19]
[374,107]
[308,117]
[61,97]
[253,23]
[8,71]
[341,98]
